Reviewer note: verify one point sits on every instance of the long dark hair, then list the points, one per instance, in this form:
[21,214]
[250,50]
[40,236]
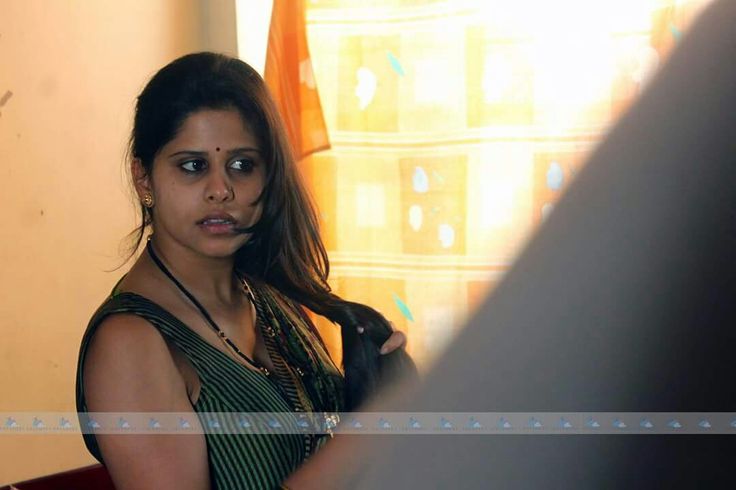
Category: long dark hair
[285,249]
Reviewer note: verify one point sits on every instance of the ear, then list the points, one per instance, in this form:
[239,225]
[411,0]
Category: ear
[141,178]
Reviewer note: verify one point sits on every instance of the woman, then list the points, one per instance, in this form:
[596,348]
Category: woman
[210,316]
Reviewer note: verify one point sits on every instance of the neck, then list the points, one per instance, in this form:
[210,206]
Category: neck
[210,280]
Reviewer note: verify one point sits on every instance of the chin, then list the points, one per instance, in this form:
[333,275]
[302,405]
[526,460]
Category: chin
[222,250]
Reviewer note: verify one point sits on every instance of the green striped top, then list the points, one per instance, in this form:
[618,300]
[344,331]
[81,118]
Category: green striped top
[304,380]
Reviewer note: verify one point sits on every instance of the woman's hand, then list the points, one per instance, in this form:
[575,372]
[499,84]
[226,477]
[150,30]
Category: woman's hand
[397,339]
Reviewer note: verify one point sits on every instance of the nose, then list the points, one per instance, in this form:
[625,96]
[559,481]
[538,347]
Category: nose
[219,188]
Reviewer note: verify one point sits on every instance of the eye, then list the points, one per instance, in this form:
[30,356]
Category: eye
[193,166]
[243,164]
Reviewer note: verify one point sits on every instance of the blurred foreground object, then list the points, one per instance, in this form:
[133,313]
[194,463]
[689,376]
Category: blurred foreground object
[624,301]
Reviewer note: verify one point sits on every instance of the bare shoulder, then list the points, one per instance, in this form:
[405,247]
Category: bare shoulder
[129,368]
[129,350]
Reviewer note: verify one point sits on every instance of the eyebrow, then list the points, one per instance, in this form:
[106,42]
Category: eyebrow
[198,153]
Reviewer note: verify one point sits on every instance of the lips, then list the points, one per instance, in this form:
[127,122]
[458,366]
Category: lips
[217,219]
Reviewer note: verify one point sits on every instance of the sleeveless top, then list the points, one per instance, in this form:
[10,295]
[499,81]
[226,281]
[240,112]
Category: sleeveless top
[305,379]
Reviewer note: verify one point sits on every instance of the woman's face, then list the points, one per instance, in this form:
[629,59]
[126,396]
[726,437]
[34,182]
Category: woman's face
[204,183]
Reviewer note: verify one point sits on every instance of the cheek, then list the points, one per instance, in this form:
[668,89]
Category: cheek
[171,204]
[256,212]
[250,194]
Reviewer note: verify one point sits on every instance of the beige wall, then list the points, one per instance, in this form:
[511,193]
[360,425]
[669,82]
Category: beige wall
[74,68]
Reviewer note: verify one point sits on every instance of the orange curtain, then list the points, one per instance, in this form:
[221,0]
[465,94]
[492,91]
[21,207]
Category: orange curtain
[290,78]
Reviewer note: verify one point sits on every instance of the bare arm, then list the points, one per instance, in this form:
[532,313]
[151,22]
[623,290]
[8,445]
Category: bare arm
[129,368]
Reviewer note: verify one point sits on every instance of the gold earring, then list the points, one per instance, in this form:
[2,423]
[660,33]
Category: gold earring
[148,201]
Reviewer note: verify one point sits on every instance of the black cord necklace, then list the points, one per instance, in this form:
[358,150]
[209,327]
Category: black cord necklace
[203,311]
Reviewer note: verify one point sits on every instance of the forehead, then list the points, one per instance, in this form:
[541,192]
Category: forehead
[224,128]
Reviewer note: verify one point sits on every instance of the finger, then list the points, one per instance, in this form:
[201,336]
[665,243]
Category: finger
[389,346]
[397,339]
[402,338]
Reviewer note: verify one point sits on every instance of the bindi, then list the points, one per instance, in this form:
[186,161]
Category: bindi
[217,149]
